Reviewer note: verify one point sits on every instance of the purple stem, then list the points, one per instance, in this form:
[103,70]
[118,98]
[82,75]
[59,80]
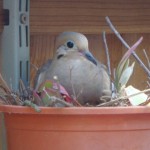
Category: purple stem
[127,46]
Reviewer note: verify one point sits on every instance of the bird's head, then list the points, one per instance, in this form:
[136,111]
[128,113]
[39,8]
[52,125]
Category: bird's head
[70,41]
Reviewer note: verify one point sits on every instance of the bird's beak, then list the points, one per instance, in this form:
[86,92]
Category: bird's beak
[89,56]
[61,52]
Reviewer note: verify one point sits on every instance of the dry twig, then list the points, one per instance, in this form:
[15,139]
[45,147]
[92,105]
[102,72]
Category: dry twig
[58,87]
[107,53]
[4,83]
[122,98]
[55,100]
[127,46]
[147,58]
[73,89]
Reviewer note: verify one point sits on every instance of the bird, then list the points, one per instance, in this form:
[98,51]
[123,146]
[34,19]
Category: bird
[78,71]
[75,41]
[70,44]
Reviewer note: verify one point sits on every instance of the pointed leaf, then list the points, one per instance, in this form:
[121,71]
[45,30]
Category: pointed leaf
[126,56]
[61,88]
[120,70]
[126,75]
[46,96]
[129,52]
[123,64]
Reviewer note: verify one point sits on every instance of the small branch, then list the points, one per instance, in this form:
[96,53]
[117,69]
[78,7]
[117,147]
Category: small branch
[58,87]
[37,99]
[122,98]
[34,66]
[107,53]
[81,91]
[32,105]
[148,83]
[147,58]
[55,100]
[72,86]
[127,46]
[22,89]
[75,96]
[4,83]
[16,99]
[3,100]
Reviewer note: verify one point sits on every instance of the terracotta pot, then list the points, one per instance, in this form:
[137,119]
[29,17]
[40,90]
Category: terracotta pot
[77,128]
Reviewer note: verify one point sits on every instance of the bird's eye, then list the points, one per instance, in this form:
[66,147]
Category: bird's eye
[70,44]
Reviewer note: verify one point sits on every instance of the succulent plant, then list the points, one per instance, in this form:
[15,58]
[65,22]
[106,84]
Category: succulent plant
[124,69]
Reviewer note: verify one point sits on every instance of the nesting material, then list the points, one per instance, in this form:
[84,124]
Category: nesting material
[137,99]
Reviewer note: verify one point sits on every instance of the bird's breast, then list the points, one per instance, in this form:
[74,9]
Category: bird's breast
[77,72]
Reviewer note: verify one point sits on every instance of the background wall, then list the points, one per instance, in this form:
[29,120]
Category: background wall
[54,16]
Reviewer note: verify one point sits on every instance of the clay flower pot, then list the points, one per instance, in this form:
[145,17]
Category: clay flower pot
[113,128]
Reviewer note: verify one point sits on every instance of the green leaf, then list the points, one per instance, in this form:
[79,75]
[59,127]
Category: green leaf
[46,84]
[122,68]
[45,98]
[126,65]
[126,56]
[126,74]
[32,105]
[121,72]
[129,52]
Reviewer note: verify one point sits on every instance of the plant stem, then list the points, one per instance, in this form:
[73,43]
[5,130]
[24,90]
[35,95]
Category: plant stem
[5,84]
[72,86]
[58,100]
[127,46]
[32,105]
[147,58]
[107,53]
[122,98]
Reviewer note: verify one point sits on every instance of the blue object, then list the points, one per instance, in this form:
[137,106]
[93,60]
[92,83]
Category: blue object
[15,43]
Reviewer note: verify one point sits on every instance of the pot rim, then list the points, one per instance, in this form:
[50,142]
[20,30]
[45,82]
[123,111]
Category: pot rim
[76,110]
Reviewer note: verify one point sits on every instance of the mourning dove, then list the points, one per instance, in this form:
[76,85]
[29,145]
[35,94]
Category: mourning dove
[77,70]
[75,41]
